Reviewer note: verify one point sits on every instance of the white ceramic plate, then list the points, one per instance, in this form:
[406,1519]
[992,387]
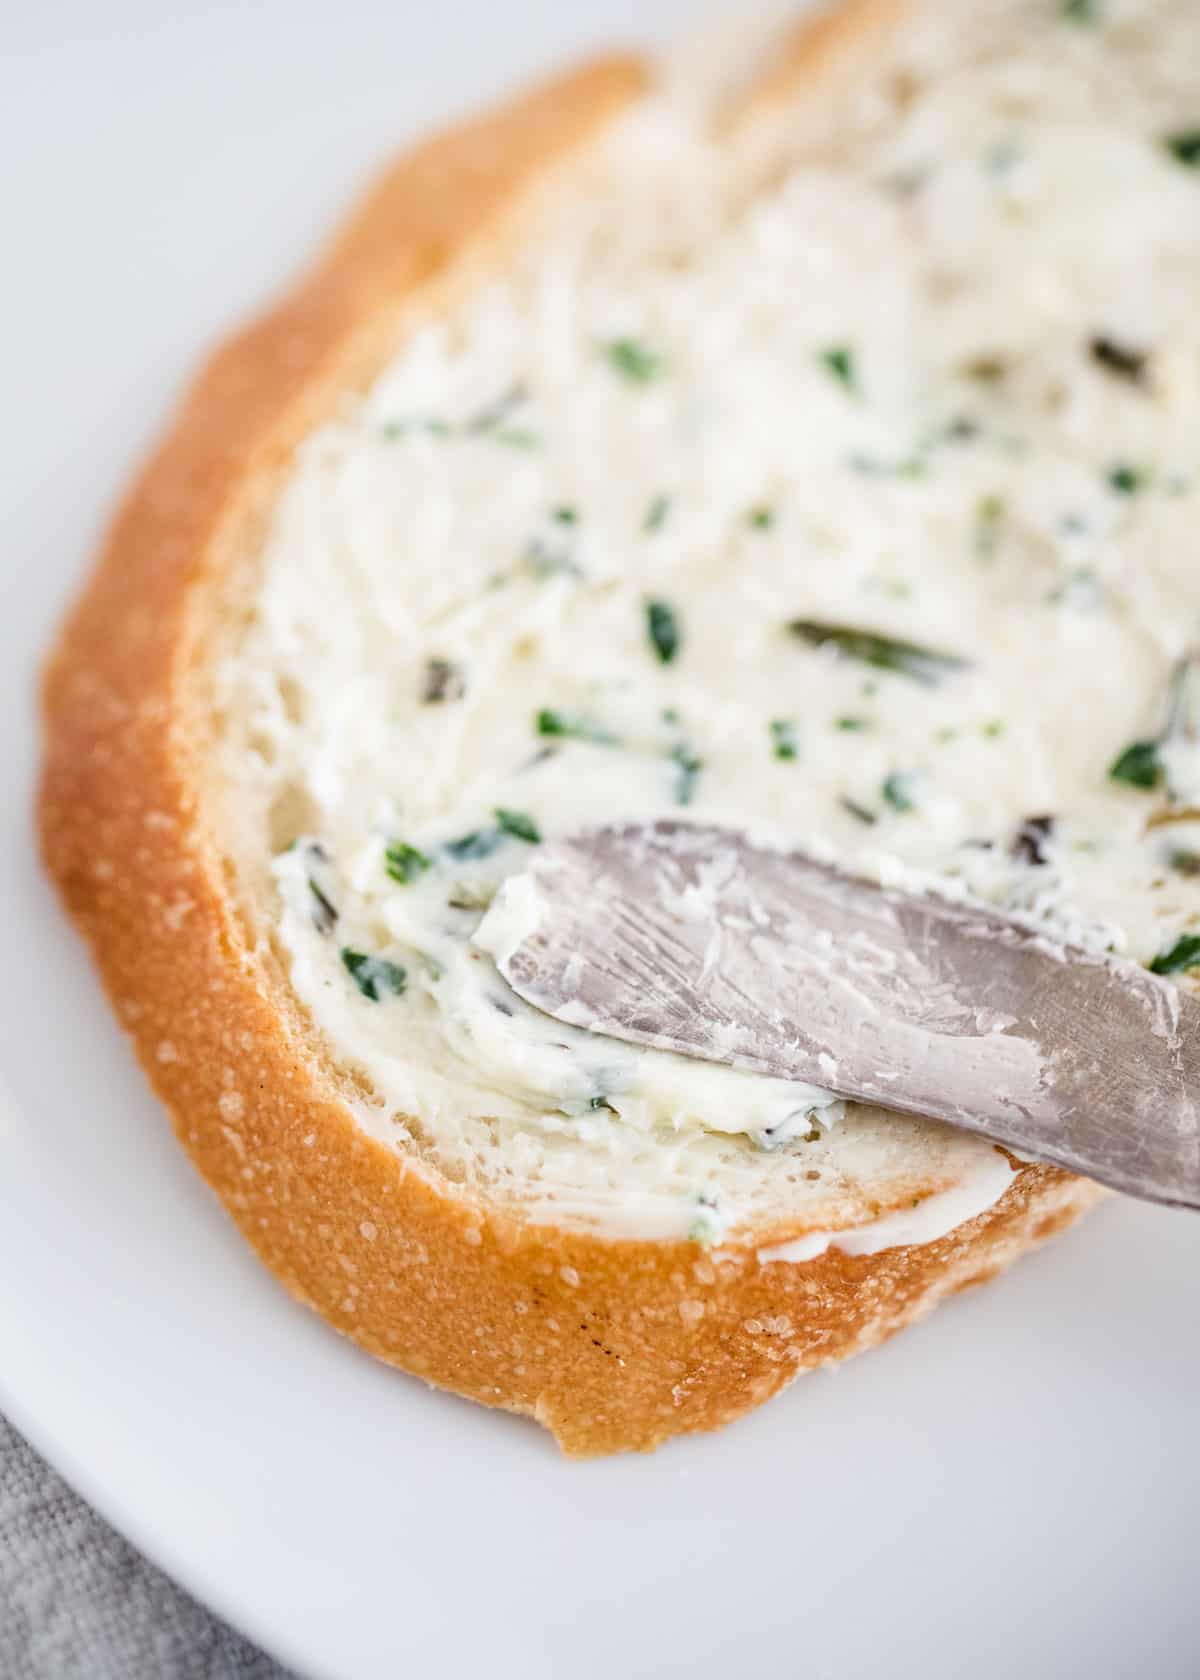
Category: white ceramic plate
[1010,1490]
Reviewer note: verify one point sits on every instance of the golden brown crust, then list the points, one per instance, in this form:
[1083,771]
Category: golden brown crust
[611,1344]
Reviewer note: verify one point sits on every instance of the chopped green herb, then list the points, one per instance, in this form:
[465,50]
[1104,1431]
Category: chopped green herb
[404,862]
[898,790]
[517,823]
[633,360]
[656,514]
[688,768]
[784,744]
[499,410]
[1184,147]
[566,516]
[1081,11]
[375,977]
[852,725]
[1126,480]
[662,627]
[481,843]
[1138,765]
[1184,954]
[859,812]
[573,726]
[761,518]
[324,914]
[1119,359]
[993,729]
[838,362]
[887,653]
[1184,861]
[443,681]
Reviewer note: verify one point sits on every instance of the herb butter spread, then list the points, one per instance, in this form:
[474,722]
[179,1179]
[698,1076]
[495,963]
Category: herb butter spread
[849,494]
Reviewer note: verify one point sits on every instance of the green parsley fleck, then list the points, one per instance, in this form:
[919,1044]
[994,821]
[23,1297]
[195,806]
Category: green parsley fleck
[662,627]
[838,362]
[1183,955]
[656,514]
[404,862]
[1126,480]
[852,725]
[517,823]
[1138,765]
[993,729]
[1081,11]
[566,516]
[784,744]
[1184,147]
[572,726]
[1184,861]
[761,518]
[633,360]
[687,767]
[480,843]
[375,977]
[898,790]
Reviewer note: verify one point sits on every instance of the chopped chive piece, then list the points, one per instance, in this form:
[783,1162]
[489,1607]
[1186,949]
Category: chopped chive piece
[838,362]
[1138,765]
[993,729]
[633,360]
[375,977]
[566,515]
[324,914]
[783,739]
[761,518]
[404,862]
[662,627]
[517,823]
[656,513]
[572,726]
[859,812]
[887,653]
[1184,147]
[1184,861]
[1081,11]
[898,789]
[851,725]
[1184,954]
[688,768]
[1126,480]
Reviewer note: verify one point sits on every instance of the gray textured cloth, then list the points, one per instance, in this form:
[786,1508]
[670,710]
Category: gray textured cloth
[78,1603]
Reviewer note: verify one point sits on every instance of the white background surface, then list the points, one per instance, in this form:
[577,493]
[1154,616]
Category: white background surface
[1010,1490]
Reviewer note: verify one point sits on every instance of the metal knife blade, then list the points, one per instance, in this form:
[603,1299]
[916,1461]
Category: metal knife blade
[694,939]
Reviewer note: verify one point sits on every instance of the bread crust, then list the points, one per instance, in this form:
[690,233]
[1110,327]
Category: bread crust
[611,1344]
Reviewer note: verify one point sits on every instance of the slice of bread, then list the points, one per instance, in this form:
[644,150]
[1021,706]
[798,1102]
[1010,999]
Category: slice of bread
[296,687]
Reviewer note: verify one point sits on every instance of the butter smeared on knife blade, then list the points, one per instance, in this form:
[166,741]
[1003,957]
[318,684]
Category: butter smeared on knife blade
[696,939]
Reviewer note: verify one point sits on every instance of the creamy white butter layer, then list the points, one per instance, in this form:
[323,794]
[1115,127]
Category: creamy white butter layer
[862,508]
